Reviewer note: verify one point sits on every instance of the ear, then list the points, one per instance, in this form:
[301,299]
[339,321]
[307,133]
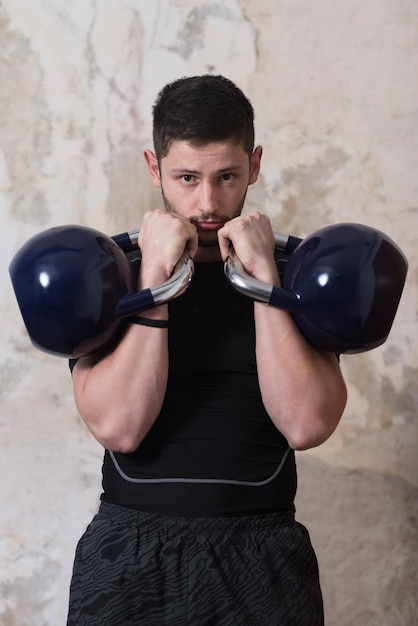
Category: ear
[153,167]
[255,164]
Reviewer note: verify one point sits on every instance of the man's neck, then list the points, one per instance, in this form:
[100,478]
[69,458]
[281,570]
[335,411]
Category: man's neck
[207,254]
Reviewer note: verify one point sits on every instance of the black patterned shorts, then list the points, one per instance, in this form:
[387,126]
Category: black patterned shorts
[141,569]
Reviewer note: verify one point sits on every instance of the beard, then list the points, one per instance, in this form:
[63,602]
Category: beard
[206,238]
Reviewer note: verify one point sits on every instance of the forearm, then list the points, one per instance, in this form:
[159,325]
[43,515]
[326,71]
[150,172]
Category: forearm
[303,390]
[119,396]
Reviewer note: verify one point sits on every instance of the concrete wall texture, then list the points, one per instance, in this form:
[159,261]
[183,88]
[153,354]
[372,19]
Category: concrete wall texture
[334,84]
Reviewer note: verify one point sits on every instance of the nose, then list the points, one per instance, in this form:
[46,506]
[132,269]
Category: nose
[209,198]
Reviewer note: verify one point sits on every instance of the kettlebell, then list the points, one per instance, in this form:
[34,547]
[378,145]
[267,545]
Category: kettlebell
[342,284]
[75,286]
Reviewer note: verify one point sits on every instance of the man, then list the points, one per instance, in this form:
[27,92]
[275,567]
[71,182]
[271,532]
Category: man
[202,403]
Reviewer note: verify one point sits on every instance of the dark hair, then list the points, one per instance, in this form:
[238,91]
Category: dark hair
[200,110]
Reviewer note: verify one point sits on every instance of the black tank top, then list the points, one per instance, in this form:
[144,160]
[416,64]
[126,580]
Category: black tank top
[213,450]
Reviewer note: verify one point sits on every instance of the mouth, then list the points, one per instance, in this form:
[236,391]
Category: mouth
[208,226]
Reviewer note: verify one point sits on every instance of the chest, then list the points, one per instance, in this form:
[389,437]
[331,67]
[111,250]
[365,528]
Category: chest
[211,326]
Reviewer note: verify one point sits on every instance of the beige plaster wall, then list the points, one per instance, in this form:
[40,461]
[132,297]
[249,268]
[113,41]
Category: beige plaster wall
[335,87]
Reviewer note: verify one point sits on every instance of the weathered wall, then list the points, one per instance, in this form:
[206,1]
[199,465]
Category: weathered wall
[335,88]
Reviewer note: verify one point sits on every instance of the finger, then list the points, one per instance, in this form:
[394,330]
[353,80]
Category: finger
[224,241]
[192,242]
[234,235]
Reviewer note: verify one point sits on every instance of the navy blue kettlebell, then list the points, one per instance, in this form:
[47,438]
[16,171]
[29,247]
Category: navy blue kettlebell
[342,285]
[75,285]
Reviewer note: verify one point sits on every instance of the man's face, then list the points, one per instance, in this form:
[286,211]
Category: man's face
[206,184]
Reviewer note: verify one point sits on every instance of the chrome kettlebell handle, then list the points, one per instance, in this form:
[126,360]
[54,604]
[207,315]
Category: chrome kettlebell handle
[172,288]
[254,288]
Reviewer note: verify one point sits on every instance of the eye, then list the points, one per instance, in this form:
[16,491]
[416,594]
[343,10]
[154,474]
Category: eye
[187,178]
[227,177]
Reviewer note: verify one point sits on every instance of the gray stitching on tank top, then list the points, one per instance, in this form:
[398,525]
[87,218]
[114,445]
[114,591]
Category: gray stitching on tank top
[198,481]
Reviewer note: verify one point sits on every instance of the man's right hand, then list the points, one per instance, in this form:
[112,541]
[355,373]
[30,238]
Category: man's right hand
[164,239]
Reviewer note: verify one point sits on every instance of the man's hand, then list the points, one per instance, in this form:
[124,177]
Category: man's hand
[164,239]
[252,239]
